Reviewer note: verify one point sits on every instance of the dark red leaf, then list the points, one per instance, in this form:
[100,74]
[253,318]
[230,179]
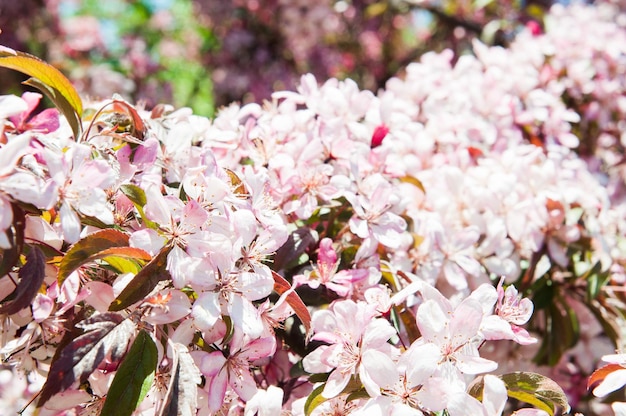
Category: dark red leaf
[143,283]
[11,255]
[31,276]
[139,127]
[181,397]
[105,336]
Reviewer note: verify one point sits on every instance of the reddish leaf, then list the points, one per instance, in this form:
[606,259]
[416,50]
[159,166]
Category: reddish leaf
[281,286]
[600,374]
[138,128]
[239,188]
[84,250]
[31,277]
[297,243]
[143,283]
[11,255]
[105,336]
[181,397]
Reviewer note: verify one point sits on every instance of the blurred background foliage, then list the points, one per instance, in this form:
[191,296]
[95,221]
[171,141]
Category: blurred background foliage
[206,54]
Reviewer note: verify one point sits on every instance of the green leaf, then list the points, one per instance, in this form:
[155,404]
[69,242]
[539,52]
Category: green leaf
[51,82]
[133,378]
[314,400]
[537,390]
[561,332]
[87,249]
[138,197]
[143,283]
[123,265]
[135,194]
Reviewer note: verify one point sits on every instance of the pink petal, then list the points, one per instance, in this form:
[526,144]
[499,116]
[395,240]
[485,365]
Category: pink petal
[432,322]
[209,363]
[494,395]
[12,151]
[327,254]
[377,370]
[470,364]
[335,384]
[465,321]
[242,383]
[47,121]
[206,310]
[70,224]
[245,316]
[259,348]
[42,307]
[217,389]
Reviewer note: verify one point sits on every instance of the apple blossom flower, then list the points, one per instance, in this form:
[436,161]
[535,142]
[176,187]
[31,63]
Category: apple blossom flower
[454,330]
[81,183]
[326,272]
[358,346]
[230,368]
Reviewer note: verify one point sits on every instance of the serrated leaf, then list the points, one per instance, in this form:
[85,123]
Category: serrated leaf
[143,282]
[60,88]
[537,390]
[230,330]
[82,251]
[281,286]
[596,279]
[181,397]
[31,276]
[104,335]
[314,400]
[133,378]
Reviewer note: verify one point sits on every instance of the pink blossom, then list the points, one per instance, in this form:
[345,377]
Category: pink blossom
[224,369]
[46,121]
[358,346]
[454,331]
[326,273]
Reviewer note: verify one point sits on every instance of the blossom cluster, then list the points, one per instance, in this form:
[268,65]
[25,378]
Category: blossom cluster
[332,250]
